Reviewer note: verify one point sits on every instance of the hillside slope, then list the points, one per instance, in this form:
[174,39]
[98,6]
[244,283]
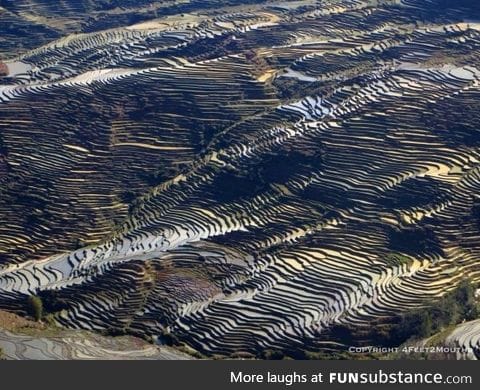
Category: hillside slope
[245,177]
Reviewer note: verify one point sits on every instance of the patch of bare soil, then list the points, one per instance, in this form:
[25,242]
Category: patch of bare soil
[15,323]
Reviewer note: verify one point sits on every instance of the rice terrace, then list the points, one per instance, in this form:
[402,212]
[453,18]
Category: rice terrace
[255,179]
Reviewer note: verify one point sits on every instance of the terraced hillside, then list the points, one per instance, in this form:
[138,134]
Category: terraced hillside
[239,177]
[458,343]
[21,339]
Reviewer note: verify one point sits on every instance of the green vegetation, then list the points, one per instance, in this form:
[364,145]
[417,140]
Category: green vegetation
[395,259]
[52,301]
[49,320]
[35,307]
[273,355]
[413,240]
[302,353]
[172,340]
[169,339]
[242,355]
[128,196]
[453,308]
[436,317]
[330,355]
[113,331]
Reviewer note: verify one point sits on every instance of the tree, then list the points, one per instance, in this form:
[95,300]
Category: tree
[35,306]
